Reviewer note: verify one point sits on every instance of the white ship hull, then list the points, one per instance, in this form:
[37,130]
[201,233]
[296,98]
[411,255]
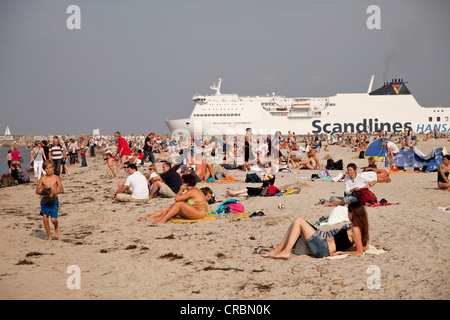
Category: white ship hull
[391,109]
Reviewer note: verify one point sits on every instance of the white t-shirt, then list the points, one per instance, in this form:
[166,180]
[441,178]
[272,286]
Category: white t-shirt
[393,147]
[359,182]
[138,185]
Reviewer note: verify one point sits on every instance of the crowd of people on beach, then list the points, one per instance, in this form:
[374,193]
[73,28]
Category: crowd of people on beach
[186,162]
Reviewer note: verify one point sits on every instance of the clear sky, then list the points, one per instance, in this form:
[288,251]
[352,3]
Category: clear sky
[135,63]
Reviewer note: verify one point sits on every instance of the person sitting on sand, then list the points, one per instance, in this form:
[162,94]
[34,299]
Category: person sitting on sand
[152,173]
[167,184]
[294,156]
[136,183]
[443,180]
[202,169]
[355,238]
[209,195]
[49,186]
[382,175]
[190,203]
[310,163]
[20,174]
[353,182]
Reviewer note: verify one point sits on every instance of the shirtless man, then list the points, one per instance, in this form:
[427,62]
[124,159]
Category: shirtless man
[49,186]
[202,169]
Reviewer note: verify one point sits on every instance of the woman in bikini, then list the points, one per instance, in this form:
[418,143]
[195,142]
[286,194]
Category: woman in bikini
[356,237]
[444,174]
[190,203]
[309,163]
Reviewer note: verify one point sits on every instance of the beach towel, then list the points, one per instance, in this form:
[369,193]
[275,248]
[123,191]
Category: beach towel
[227,179]
[208,217]
[371,251]
[382,203]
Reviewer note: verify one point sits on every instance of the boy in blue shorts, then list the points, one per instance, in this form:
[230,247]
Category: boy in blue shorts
[49,186]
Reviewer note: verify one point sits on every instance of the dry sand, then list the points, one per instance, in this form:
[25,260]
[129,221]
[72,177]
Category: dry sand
[119,257]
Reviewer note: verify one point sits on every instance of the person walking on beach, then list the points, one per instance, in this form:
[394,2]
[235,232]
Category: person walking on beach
[15,155]
[56,155]
[92,145]
[148,149]
[8,160]
[123,151]
[248,149]
[37,158]
[73,150]
[83,149]
[49,186]
[46,149]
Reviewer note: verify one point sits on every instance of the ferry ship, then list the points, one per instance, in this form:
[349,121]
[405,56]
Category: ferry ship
[391,108]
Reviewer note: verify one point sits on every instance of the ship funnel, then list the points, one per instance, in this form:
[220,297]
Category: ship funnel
[369,90]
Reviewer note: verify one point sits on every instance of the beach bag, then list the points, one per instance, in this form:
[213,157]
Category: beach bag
[219,176]
[332,165]
[252,177]
[323,174]
[7,180]
[273,190]
[364,196]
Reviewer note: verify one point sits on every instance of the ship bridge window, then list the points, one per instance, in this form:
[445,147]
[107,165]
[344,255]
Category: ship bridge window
[430,119]
[438,118]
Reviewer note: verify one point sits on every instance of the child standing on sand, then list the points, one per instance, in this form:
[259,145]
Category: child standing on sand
[109,158]
[49,186]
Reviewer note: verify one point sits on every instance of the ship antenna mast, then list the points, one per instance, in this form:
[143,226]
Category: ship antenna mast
[217,88]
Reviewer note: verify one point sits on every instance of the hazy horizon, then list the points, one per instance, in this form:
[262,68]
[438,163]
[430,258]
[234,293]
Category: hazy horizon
[134,64]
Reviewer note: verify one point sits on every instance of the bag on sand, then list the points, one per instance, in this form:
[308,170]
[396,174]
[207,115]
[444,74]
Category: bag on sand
[252,177]
[364,196]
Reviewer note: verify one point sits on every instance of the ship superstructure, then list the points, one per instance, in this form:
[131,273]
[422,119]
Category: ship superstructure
[391,108]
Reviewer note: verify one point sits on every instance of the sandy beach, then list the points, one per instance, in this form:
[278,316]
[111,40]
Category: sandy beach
[120,257]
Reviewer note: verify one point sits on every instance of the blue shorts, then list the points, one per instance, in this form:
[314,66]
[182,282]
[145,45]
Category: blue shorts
[347,199]
[318,246]
[50,210]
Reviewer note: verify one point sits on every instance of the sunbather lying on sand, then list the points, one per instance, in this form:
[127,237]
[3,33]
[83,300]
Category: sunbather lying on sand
[382,175]
[356,237]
